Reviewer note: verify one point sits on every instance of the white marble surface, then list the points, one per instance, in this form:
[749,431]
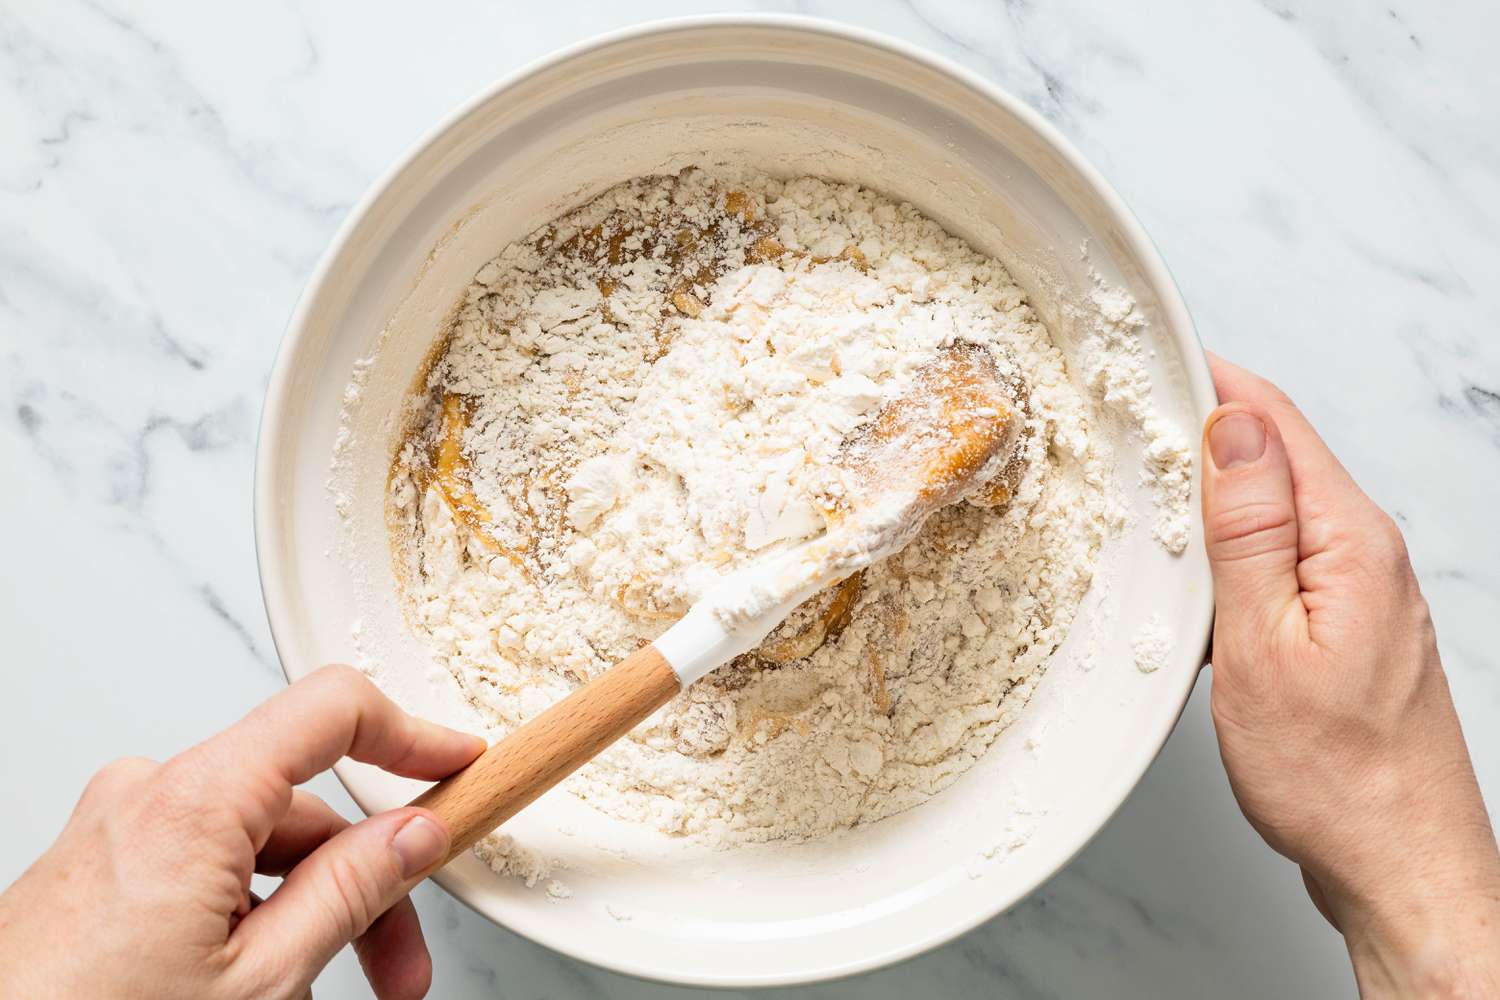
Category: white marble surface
[1323,177]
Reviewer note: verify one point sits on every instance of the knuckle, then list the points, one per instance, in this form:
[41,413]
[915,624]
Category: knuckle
[347,683]
[376,718]
[1391,541]
[355,899]
[1383,546]
[119,775]
[179,776]
[338,675]
[266,791]
[406,745]
[183,795]
[126,769]
[1247,530]
[257,971]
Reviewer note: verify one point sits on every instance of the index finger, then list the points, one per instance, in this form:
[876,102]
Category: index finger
[334,712]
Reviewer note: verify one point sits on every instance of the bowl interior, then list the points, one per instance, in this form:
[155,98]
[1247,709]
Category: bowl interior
[790,98]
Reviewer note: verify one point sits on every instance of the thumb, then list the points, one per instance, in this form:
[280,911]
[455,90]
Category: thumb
[337,891]
[1249,521]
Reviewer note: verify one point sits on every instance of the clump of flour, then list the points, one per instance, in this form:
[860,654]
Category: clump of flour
[1116,370]
[636,398]
[506,857]
[1152,645]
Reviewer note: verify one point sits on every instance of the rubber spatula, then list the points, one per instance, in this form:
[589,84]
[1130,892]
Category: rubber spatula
[942,440]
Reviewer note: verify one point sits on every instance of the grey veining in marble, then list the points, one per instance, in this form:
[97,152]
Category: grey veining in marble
[1323,177]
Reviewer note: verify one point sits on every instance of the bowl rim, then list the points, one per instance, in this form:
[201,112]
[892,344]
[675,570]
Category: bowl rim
[1144,252]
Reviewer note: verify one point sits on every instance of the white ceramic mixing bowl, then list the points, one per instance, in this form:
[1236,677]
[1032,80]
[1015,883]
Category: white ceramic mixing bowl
[792,96]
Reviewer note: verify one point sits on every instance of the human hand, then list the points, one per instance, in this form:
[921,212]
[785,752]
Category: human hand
[146,892]
[1332,711]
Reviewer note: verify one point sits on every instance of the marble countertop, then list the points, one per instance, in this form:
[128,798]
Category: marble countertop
[1323,177]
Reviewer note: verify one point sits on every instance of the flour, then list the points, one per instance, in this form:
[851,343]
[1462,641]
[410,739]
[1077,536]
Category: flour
[639,398]
[1116,370]
[1152,645]
[506,857]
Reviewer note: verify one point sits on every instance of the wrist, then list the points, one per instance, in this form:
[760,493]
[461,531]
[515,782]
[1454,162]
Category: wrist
[1437,962]
[1426,935]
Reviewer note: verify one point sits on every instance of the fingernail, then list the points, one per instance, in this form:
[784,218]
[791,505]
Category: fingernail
[419,844]
[1235,439]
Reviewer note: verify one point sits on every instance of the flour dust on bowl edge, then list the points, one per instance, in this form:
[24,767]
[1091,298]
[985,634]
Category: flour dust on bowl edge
[790,96]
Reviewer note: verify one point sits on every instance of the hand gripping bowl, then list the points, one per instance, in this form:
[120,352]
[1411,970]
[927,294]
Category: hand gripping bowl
[792,96]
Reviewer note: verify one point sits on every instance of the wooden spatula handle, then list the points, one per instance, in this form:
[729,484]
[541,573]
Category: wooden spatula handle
[512,773]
